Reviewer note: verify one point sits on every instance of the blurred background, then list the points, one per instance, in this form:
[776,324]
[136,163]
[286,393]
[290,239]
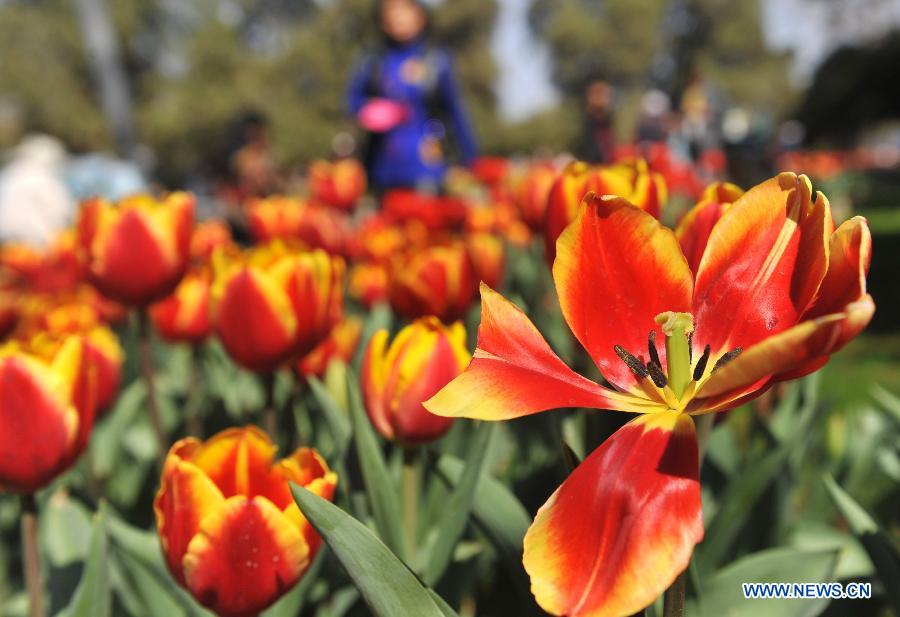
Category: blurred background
[160,93]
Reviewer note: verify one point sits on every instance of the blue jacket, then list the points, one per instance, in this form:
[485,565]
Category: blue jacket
[412,153]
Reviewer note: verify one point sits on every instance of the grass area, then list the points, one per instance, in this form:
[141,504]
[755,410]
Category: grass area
[870,360]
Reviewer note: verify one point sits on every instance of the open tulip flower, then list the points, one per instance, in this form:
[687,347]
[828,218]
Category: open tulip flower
[273,303]
[184,316]
[396,379]
[438,280]
[47,404]
[137,250]
[777,290]
[229,528]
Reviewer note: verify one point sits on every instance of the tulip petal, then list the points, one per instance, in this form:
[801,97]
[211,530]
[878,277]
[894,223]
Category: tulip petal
[695,227]
[616,269]
[308,469]
[849,259]
[38,424]
[186,496]
[240,462]
[623,526]
[246,554]
[785,352]
[514,373]
[763,264]
[255,320]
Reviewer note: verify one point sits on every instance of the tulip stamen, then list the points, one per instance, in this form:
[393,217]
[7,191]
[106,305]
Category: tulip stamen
[651,348]
[726,358]
[656,374]
[637,367]
[701,364]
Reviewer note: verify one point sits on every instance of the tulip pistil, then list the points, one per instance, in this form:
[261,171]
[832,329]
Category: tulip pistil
[677,327]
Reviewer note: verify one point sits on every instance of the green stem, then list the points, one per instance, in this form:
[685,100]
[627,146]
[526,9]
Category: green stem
[148,372]
[194,403]
[32,557]
[410,497]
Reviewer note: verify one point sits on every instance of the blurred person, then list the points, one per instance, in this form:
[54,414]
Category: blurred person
[35,204]
[698,123]
[653,125]
[405,97]
[246,168]
[599,139]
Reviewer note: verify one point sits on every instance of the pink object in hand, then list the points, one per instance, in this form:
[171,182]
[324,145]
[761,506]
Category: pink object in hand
[380,115]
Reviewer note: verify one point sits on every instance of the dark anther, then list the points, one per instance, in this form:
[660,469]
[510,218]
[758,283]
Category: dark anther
[656,374]
[690,347]
[637,367]
[701,364]
[731,355]
[651,347]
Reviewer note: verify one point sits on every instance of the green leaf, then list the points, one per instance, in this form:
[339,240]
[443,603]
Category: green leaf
[65,530]
[723,595]
[92,596]
[389,588]
[735,507]
[502,518]
[878,547]
[446,609]
[458,506]
[380,488]
[338,422]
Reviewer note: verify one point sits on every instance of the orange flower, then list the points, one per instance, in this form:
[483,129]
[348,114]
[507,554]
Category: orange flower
[340,345]
[274,217]
[207,237]
[137,250]
[47,404]
[532,191]
[422,359]
[184,316]
[368,283]
[229,528]
[272,303]
[631,180]
[486,252]
[339,184]
[438,280]
[57,269]
[777,291]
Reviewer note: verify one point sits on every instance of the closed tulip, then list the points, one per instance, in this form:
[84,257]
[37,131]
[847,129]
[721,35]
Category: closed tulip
[397,379]
[339,184]
[438,280]
[487,253]
[184,316]
[230,531]
[47,404]
[273,303]
[137,250]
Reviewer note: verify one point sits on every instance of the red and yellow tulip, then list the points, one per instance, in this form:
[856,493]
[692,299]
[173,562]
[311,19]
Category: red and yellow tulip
[368,283]
[183,317]
[47,405]
[487,253]
[273,303]
[438,280]
[396,379]
[340,345]
[137,250]
[777,290]
[631,180]
[339,184]
[694,228]
[230,531]
[207,237]
[532,192]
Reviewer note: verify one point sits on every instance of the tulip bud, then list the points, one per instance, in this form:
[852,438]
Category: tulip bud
[47,405]
[339,184]
[368,283]
[207,237]
[487,254]
[137,251]
[532,192]
[422,359]
[272,303]
[230,531]
[438,280]
[184,316]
